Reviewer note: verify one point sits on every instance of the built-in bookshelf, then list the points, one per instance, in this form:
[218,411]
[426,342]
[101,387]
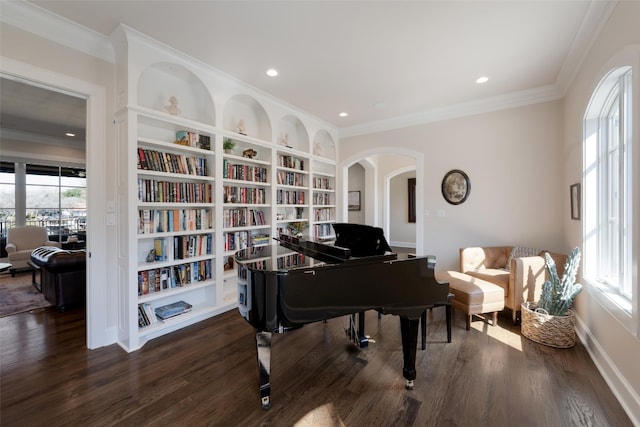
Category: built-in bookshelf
[323,203]
[175,195]
[292,192]
[206,167]
[246,213]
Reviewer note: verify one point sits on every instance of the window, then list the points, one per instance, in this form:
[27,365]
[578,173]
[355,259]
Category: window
[7,197]
[54,197]
[607,169]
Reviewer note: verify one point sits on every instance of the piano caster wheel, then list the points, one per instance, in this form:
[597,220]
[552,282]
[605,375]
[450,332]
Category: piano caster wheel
[409,385]
[266,404]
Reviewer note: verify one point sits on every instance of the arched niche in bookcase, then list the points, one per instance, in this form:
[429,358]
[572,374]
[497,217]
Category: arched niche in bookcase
[164,82]
[244,115]
[323,145]
[293,134]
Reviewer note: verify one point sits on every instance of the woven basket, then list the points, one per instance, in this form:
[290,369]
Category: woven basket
[553,331]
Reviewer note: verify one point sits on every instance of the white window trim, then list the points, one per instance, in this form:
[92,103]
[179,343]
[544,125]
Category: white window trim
[625,311]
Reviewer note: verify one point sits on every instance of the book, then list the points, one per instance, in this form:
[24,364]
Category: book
[158,246]
[149,314]
[174,309]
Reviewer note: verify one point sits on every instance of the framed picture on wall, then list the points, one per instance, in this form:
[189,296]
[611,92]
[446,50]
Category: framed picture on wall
[412,200]
[353,200]
[574,194]
[455,187]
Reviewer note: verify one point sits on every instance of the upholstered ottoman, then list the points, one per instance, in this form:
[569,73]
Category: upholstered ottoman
[473,295]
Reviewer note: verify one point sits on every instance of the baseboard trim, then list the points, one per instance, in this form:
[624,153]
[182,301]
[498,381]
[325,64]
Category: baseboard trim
[625,394]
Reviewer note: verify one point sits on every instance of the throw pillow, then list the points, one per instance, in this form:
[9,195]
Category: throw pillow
[520,251]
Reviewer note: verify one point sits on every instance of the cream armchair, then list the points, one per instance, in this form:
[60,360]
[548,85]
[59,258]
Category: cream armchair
[520,277]
[21,241]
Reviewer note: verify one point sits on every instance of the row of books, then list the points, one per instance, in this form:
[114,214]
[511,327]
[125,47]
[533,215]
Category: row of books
[169,220]
[190,246]
[324,231]
[243,217]
[256,265]
[159,161]
[324,214]
[290,178]
[244,172]
[146,315]
[292,260]
[193,139]
[244,195]
[322,199]
[234,241]
[290,162]
[161,279]
[151,190]
[323,183]
[290,197]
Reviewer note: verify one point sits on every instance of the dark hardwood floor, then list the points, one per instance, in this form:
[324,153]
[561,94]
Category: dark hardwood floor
[207,374]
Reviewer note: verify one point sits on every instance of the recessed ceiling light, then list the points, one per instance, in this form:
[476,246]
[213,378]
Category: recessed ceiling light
[482,79]
[343,114]
[70,134]
[272,72]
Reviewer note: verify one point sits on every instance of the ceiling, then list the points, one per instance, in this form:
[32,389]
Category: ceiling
[31,113]
[379,61]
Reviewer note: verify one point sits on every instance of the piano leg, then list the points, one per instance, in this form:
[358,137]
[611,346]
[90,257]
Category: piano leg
[356,333]
[448,314]
[409,331]
[263,342]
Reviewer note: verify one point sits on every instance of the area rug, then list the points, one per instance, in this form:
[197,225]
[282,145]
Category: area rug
[18,295]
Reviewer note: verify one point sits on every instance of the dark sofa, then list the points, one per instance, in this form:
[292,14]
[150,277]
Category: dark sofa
[62,275]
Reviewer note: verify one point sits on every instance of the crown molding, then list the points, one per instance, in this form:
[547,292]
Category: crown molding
[41,22]
[592,24]
[485,105]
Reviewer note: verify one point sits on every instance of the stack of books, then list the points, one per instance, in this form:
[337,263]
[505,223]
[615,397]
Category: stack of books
[174,309]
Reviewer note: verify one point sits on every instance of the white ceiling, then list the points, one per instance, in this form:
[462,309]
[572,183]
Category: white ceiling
[380,61]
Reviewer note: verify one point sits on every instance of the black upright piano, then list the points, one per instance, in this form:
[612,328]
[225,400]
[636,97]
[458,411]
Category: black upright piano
[285,286]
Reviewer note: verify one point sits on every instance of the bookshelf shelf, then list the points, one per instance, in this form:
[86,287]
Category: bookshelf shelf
[177,186]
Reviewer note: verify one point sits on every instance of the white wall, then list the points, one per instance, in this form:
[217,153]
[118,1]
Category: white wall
[513,159]
[401,231]
[614,349]
[39,59]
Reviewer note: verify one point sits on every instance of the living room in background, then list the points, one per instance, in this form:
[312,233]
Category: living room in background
[54,197]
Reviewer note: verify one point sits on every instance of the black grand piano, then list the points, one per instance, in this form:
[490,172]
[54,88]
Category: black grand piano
[285,286]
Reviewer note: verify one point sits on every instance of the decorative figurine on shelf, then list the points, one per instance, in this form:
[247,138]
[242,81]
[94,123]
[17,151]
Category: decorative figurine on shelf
[317,149]
[285,140]
[172,108]
[249,153]
[151,257]
[242,130]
